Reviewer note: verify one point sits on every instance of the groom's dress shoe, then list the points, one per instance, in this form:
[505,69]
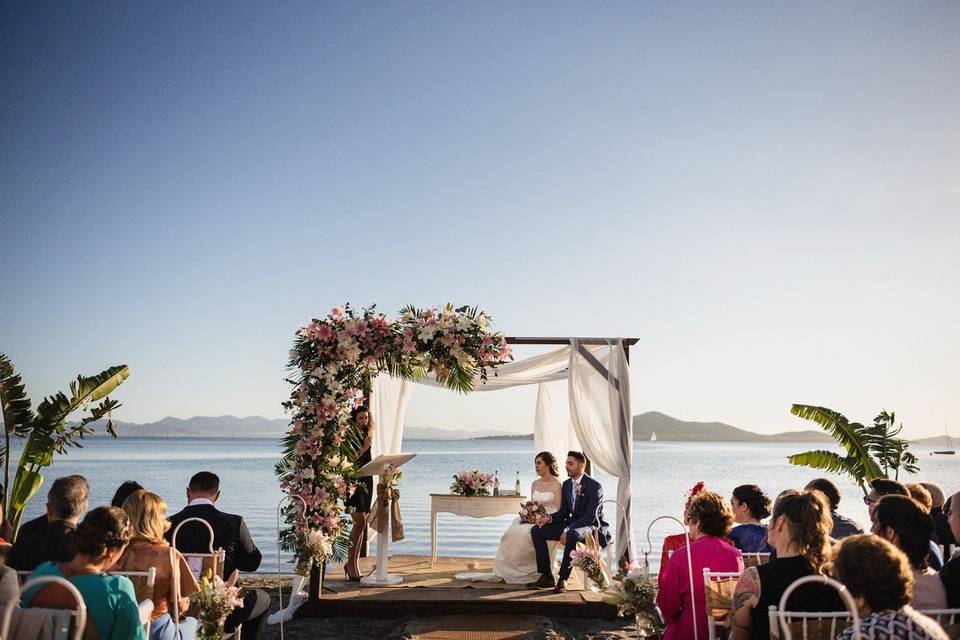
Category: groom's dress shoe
[545,582]
[561,586]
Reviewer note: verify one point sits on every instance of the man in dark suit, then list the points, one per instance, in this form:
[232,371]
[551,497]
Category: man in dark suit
[230,533]
[579,516]
[49,536]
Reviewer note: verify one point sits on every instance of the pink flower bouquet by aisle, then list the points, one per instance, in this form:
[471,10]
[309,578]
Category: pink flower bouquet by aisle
[587,559]
[216,600]
[531,511]
[471,483]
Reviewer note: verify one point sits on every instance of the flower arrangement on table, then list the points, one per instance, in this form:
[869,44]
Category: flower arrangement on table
[587,559]
[471,483]
[634,593]
[216,600]
[531,511]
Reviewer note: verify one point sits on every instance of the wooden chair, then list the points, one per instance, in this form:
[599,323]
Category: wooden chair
[64,622]
[718,588]
[814,625]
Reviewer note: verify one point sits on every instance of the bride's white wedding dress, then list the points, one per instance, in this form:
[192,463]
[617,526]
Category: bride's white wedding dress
[516,561]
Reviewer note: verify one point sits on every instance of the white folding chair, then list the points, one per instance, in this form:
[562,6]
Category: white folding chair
[718,589]
[145,608]
[78,616]
[814,624]
[298,580]
[646,555]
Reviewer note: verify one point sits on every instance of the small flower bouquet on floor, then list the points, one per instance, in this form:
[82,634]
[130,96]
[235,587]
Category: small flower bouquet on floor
[315,547]
[531,511]
[634,592]
[216,600]
[471,483]
[587,559]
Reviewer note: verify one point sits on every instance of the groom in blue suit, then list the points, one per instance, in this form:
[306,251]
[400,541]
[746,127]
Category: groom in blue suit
[580,514]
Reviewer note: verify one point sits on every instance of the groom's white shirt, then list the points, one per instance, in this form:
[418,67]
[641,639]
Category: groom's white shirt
[573,497]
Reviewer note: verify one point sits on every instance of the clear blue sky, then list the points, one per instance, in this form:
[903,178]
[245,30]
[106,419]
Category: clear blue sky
[767,193]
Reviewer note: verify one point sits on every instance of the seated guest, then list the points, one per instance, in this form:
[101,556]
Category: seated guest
[110,600]
[750,505]
[842,525]
[710,520]
[878,576]
[937,503]
[230,533]
[799,531]
[880,487]
[48,537]
[9,584]
[673,542]
[123,492]
[903,522]
[950,573]
[147,548]
[919,493]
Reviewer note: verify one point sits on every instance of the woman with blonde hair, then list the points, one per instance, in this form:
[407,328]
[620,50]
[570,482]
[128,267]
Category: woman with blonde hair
[148,520]
[799,531]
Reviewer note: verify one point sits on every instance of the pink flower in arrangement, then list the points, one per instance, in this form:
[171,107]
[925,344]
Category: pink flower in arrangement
[325,333]
[316,519]
[409,344]
[337,312]
[321,494]
[301,448]
[330,522]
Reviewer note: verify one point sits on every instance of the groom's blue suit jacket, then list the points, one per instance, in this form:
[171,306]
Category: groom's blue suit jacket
[587,511]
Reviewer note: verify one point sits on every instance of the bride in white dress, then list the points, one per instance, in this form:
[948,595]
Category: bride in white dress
[516,561]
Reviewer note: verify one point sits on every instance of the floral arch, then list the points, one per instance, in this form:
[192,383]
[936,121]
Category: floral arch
[333,361]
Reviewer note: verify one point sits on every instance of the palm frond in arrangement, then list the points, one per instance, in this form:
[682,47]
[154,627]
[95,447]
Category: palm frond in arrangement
[17,414]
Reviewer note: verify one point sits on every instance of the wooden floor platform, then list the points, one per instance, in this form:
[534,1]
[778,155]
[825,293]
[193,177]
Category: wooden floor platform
[434,591]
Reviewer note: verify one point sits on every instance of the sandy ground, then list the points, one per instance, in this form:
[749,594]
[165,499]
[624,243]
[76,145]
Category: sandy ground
[409,628]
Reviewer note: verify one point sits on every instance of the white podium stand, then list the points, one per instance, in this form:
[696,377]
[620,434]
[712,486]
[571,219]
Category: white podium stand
[377,467]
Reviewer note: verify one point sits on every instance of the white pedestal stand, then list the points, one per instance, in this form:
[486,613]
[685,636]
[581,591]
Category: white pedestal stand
[382,577]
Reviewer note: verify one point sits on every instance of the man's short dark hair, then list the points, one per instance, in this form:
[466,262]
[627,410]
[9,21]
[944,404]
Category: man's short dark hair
[886,487]
[827,488]
[205,482]
[576,455]
[123,492]
[68,496]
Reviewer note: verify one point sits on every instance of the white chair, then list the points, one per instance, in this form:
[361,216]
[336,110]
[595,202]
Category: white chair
[752,559]
[77,618]
[718,589]
[814,624]
[949,619]
[646,555]
[143,582]
[296,597]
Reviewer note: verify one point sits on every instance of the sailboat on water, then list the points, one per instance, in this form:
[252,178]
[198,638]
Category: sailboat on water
[946,452]
[653,436]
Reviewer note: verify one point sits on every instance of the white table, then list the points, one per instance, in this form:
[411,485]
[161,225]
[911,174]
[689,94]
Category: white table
[473,506]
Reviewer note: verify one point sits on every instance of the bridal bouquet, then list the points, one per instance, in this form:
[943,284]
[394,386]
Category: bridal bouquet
[587,559]
[216,600]
[471,483]
[531,511]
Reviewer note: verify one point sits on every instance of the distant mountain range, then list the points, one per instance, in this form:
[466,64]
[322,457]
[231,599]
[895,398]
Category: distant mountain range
[666,427]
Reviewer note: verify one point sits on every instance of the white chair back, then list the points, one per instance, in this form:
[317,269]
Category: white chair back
[646,555]
[948,619]
[780,618]
[79,615]
[218,558]
[718,592]
[143,581]
[145,608]
[755,559]
[611,560]
[280,504]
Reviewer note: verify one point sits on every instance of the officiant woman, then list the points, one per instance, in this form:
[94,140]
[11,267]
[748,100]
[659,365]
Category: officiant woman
[359,502]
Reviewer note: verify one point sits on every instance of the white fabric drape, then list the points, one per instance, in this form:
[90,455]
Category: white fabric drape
[600,412]
[583,403]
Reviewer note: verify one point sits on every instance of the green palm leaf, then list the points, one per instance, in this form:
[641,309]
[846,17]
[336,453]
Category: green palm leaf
[829,461]
[852,436]
[17,414]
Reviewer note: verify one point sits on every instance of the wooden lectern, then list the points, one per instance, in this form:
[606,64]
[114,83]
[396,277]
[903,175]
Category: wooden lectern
[377,467]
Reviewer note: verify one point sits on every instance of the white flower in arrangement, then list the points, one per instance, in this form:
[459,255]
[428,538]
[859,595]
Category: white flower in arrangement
[331,368]
[463,323]
[335,461]
[307,473]
[317,373]
[427,332]
[345,464]
[408,316]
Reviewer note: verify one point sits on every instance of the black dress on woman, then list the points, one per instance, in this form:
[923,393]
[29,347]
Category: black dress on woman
[363,496]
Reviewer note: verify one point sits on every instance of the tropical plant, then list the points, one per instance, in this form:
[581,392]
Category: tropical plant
[871,451]
[47,431]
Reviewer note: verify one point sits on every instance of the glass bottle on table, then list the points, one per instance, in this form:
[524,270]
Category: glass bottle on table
[496,484]
[518,484]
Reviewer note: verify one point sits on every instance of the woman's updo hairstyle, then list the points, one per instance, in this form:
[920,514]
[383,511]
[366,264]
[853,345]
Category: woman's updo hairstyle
[103,531]
[712,513]
[756,500]
[810,521]
[551,461]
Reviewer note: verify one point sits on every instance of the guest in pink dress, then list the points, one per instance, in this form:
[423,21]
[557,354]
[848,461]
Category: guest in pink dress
[710,518]
[674,542]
